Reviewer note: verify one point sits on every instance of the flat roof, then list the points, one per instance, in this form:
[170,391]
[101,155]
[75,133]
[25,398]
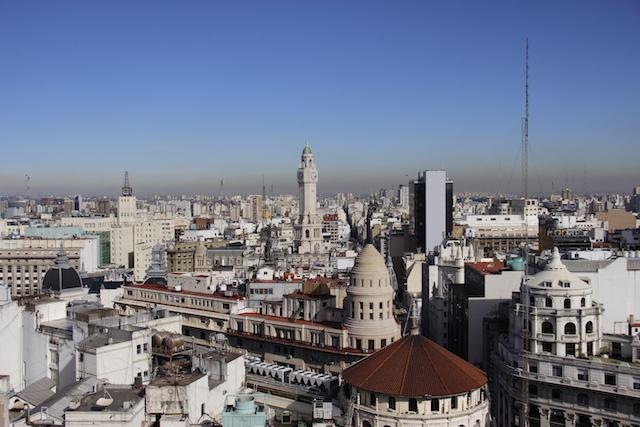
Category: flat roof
[180,379]
[119,396]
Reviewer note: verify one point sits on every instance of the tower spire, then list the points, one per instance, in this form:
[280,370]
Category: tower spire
[126,188]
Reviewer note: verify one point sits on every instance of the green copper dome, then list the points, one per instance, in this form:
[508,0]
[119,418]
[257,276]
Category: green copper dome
[307,150]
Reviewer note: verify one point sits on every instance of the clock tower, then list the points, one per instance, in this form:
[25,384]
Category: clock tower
[308,230]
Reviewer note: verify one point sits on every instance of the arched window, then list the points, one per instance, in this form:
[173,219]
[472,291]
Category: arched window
[583,302]
[548,302]
[567,303]
[366,423]
[570,329]
[392,403]
[589,327]
[547,328]
[413,405]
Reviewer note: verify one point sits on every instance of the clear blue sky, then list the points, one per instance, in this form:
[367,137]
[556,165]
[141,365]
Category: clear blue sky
[181,93]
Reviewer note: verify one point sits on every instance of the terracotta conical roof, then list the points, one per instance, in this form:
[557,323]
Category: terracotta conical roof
[415,366]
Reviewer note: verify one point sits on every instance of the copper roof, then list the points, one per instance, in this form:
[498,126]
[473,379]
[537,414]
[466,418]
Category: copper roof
[415,366]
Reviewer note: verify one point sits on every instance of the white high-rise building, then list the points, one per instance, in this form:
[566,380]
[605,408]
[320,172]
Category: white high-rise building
[308,230]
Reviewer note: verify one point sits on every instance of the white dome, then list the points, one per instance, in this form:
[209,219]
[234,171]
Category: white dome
[556,276]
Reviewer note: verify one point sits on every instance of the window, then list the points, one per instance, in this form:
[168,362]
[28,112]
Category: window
[225,306]
[454,402]
[583,374]
[556,394]
[583,302]
[567,303]
[533,390]
[610,379]
[371,345]
[138,349]
[373,400]
[548,302]
[435,405]
[610,405]
[145,347]
[636,383]
[583,399]
[588,327]
[391,403]
[383,342]
[557,370]
[533,368]
[547,347]
[636,409]
[547,328]
[570,349]
[413,405]
[570,329]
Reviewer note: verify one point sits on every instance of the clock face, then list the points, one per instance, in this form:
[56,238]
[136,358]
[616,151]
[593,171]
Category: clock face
[300,175]
[314,175]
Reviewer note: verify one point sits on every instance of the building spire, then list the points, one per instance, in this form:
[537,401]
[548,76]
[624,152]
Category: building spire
[126,188]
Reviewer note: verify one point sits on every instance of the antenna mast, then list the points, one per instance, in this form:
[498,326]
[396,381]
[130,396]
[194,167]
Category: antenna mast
[525,126]
[524,295]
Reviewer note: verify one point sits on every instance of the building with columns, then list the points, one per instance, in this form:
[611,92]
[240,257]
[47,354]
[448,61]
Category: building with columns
[555,367]
[319,328]
[415,382]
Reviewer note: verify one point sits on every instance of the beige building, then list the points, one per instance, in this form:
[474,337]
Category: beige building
[22,269]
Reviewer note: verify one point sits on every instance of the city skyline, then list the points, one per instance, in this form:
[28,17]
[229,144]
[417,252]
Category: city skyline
[220,91]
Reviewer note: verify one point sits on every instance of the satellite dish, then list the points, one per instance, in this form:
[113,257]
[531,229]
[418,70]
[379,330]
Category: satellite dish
[103,402]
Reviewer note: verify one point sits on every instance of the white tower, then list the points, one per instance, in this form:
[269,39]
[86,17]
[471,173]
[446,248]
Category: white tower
[308,231]
[126,203]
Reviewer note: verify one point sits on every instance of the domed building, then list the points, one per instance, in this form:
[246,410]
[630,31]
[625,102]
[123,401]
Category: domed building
[416,382]
[563,320]
[369,315]
[568,373]
[62,276]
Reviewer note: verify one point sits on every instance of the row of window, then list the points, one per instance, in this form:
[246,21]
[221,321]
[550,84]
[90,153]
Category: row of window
[158,296]
[548,302]
[583,375]
[582,399]
[569,328]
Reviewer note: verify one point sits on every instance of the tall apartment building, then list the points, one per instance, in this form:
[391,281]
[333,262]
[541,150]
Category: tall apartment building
[432,209]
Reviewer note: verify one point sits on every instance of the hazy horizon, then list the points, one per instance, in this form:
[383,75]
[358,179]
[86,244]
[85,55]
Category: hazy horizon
[182,95]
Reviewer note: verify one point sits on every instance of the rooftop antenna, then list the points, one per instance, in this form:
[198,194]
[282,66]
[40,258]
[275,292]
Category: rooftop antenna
[221,192]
